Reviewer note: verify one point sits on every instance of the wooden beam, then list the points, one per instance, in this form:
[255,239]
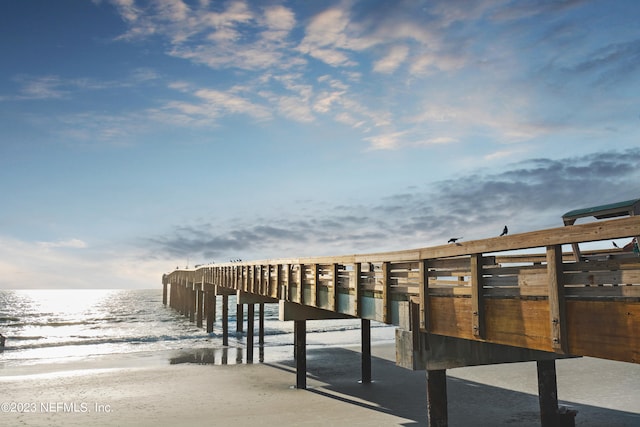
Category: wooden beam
[357,271]
[333,290]
[477,298]
[314,286]
[557,312]
[423,284]
[386,292]
[295,311]
[301,277]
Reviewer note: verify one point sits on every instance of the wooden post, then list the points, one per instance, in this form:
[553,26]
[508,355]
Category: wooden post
[185,299]
[211,310]
[278,280]
[386,292]
[548,393]
[365,332]
[357,272]
[477,298]
[192,303]
[225,319]
[333,291]
[199,310]
[315,288]
[261,324]
[250,321]
[239,317]
[437,414]
[300,332]
[164,291]
[556,300]
[423,271]
[301,276]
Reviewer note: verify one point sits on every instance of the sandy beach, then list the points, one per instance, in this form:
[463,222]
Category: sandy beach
[152,392]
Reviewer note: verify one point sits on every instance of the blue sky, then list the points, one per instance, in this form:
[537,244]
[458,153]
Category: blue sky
[136,136]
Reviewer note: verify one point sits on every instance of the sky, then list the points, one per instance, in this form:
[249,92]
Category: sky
[138,136]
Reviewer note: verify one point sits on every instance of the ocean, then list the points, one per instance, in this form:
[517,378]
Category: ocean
[132,327]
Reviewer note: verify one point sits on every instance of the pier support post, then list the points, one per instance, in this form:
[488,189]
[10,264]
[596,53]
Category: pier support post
[192,303]
[199,310]
[300,335]
[185,299]
[239,317]
[250,321]
[225,320]
[437,414]
[164,292]
[261,323]
[211,310]
[548,393]
[365,332]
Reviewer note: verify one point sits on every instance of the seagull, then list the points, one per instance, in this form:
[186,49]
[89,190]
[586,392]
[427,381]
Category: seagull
[454,239]
[614,245]
[505,230]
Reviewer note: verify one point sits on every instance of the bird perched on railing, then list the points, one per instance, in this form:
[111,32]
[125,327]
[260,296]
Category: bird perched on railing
[454,239]
[505,231]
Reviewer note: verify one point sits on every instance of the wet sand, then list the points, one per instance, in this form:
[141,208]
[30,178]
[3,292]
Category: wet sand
[153,392]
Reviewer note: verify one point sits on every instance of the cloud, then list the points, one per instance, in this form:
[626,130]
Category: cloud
[483,68]
[395,58]
[526,195]
[71,243]
[28,265]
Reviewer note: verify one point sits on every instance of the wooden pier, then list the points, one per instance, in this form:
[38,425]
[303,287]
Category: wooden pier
[504,299]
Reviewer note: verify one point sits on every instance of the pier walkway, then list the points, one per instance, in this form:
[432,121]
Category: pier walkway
[511,298]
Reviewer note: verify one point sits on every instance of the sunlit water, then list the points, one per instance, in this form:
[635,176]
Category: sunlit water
[57,326]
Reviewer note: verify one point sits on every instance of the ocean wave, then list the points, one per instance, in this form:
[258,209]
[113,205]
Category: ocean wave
[86,341]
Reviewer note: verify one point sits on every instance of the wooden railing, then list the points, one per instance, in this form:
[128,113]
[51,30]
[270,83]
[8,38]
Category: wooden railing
[479,290]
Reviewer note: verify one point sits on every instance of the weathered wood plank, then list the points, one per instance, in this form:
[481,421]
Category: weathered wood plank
[604,329]
[333,290]
[477,297]
[556,299]
[386,293]
[424,295]
[357,270]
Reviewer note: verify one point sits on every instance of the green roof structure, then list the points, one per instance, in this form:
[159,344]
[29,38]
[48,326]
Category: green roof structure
[612,210]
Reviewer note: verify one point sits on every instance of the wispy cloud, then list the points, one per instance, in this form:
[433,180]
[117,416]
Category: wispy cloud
[442,40]
[482,68]
[71,243]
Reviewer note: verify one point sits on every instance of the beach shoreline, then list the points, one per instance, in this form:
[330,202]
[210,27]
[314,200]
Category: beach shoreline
[150,390]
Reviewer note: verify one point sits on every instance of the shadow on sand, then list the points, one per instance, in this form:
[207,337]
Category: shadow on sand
[335,373]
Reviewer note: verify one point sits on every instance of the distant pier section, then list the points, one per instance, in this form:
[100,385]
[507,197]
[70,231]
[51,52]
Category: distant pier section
[534,296]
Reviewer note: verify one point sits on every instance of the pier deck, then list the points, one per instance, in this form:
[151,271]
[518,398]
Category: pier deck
[473,290]
[503,299]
